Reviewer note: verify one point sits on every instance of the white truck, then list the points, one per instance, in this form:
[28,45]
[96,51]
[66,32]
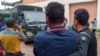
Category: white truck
[32,22]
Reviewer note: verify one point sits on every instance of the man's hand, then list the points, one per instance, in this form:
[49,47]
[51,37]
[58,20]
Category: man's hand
[18,27]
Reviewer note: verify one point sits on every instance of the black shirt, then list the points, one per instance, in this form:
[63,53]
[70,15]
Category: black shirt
[87,45]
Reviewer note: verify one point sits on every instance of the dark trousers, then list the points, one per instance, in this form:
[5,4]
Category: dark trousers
[93,30]
[12,54]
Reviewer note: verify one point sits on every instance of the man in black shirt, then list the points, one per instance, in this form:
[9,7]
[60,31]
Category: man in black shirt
[88,42]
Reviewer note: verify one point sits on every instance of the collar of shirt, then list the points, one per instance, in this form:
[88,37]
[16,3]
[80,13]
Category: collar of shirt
[56,29]
[9,29]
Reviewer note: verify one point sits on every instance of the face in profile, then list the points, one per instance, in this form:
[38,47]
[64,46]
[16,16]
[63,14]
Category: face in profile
[75,22]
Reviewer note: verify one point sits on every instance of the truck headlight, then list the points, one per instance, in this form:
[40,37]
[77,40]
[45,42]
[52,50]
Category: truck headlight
[29,33]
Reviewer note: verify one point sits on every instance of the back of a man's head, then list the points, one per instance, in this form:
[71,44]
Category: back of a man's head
[82,16]
[55,12]
[10,23]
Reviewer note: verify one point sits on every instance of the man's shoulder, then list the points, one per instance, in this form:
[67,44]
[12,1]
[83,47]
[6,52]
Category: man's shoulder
[73,33]
[86,35]
[15,32]
[41,37]
[66,33]
[41,34]
[9,32]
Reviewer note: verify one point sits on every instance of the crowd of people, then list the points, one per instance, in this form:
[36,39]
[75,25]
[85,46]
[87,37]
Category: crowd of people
[56,40]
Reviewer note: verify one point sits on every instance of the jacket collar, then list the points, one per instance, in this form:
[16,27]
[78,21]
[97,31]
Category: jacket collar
[83,29]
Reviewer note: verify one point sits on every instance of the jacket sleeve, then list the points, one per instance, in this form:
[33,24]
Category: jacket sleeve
[38,45]
[83,46]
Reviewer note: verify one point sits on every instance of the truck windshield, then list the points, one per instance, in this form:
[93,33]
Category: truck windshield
[34,16]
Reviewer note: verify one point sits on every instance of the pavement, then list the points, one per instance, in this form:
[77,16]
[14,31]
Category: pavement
[28,49]
[98,43]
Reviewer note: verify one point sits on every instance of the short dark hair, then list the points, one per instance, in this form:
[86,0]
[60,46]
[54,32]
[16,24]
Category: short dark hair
[10,23]
[55,12]
[82,16]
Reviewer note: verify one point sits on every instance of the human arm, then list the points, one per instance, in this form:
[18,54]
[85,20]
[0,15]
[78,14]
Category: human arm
[39,44]
[20,32]
[83,46]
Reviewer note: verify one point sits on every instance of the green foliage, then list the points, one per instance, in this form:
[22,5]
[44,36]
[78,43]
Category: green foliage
[98,30]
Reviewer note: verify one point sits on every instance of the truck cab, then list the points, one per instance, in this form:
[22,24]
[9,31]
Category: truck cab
[32,23]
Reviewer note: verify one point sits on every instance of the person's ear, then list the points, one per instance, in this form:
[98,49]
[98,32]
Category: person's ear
[75,22]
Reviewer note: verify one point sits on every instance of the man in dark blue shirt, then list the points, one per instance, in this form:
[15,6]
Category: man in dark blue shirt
[56,41]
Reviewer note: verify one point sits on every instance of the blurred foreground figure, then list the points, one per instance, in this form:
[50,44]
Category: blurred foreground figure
[11,39]
[56,41]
